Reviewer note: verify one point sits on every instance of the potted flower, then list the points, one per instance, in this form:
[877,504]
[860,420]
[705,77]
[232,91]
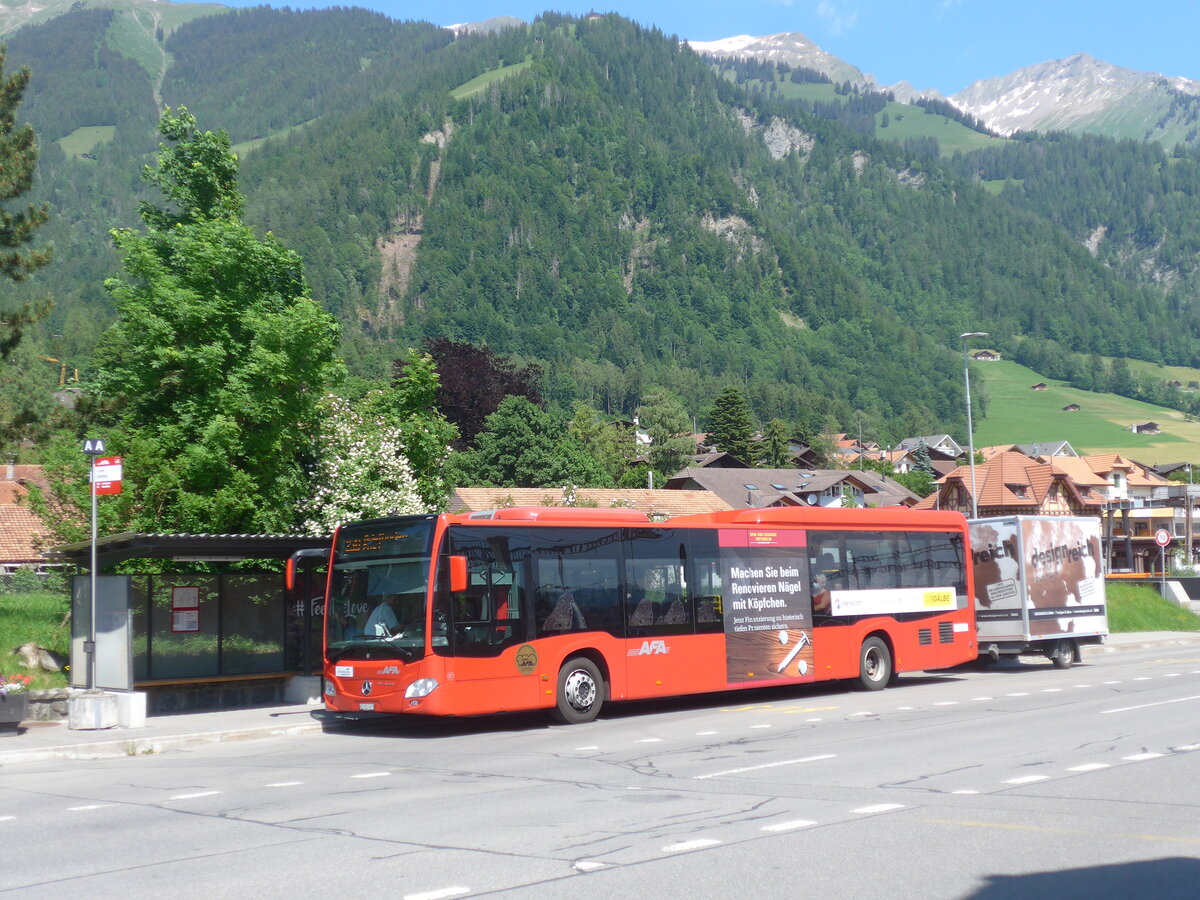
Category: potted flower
[14,702]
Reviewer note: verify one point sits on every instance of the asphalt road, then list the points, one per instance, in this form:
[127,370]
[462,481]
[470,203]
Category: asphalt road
[1022,781]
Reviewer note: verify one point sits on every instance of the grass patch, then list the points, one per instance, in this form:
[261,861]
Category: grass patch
[84,140]
[1018,415]
[480,82]
[1138,607]
[34,617]
[244,147]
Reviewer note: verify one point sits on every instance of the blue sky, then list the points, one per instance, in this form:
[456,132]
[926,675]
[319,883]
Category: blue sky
[942,44]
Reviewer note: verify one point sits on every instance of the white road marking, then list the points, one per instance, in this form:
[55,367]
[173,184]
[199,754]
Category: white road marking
[760,726]
[818,719]
[7,818]
[788,826]
[706,733]
[1112,682]
[285,783]
[1027,779]
[946,703]
[1083,685]
[1088,767]
[89,806]
[1142,678]
[973,699]
[697,844]
[1172,675]
[774,765]
[965,792]
[1186,748]
[439,894]
[193,796]
[904,708]
[650,741]
[585,865]
[1140,757]
[1019,694]
[878,808]
[372,775]
[852,715]
[587,748]
[1105,712]
[1051,690]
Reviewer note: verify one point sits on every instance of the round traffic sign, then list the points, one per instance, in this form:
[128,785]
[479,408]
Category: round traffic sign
[1162,537]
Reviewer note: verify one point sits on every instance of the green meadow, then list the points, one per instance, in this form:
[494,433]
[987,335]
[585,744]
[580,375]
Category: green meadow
[1017,414]
[85,140]
[480,82]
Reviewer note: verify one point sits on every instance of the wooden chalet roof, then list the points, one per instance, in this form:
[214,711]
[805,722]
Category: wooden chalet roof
[658,504]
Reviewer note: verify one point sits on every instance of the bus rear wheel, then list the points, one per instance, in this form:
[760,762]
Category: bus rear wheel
[580,691]
[874,665]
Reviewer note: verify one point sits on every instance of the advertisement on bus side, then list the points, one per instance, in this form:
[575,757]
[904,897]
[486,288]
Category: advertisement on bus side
[767,604]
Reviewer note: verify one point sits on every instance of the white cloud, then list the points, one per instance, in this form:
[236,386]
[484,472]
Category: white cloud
[837,16]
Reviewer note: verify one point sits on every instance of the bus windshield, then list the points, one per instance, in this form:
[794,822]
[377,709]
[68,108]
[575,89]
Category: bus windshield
[378,590]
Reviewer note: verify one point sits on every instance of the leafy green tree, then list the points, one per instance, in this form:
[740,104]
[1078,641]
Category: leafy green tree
[670,428]
[731,429]
[612,446]
[524,446]
[424,434]
[219,358]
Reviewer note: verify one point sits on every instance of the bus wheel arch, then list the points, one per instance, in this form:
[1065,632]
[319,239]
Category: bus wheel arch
[581,690]
[876,662]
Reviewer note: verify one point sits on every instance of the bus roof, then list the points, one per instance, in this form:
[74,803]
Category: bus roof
[834,517]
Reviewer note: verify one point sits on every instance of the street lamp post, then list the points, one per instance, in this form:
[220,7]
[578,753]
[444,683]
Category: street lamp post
[970,427]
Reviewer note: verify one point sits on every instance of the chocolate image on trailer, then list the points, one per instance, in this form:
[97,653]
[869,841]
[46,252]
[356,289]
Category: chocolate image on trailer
[1065,574]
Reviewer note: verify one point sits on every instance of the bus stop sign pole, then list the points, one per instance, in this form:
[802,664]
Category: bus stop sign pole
[93,447]
[1162,537]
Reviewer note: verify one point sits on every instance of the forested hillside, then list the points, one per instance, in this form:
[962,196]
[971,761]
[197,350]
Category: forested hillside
[613,207]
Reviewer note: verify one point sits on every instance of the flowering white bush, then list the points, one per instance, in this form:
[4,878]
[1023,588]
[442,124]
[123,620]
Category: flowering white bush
[361,471]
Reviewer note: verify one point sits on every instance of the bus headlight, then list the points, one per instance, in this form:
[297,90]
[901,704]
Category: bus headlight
[422,687]
[329,689]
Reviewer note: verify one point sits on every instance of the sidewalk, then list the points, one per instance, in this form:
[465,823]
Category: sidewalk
[38,741]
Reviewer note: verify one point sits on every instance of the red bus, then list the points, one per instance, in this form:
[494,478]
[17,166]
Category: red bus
[564,609]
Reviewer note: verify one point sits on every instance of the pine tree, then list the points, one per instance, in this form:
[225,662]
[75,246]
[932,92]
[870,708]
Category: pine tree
[18,159]
[731,429]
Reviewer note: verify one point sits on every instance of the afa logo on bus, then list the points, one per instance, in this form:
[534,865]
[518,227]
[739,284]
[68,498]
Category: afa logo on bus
[650,648]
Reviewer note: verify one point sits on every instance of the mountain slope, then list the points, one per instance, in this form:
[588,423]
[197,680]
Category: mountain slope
[1082,94]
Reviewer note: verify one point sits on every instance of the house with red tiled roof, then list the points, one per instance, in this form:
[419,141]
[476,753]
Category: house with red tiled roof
[1011,483]
[22,534]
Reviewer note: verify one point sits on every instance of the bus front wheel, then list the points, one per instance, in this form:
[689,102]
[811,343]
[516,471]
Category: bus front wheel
[580,691]
[874,665]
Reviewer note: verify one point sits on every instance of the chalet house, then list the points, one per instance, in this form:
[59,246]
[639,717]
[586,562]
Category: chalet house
[1071,407]
[984,355]
[718,460]
[1041,450]
[657,504]
[1040,386]
[756,488]
[1011,483]
[22,534]
[941,444]
[1145,428]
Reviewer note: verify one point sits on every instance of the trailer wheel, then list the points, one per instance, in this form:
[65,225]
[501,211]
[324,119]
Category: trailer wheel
[580,692]
[1062,654]
[874,665]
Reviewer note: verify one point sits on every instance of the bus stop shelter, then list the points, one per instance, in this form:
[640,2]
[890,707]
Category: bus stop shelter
[216,630]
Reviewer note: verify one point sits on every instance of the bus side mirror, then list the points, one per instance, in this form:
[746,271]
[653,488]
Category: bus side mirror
[458,574]
[289,574]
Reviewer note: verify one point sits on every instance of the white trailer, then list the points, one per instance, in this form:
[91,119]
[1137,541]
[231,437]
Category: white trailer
[1039,586]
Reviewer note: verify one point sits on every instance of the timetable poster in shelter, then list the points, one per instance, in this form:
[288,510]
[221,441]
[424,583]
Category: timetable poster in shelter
[767,605]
